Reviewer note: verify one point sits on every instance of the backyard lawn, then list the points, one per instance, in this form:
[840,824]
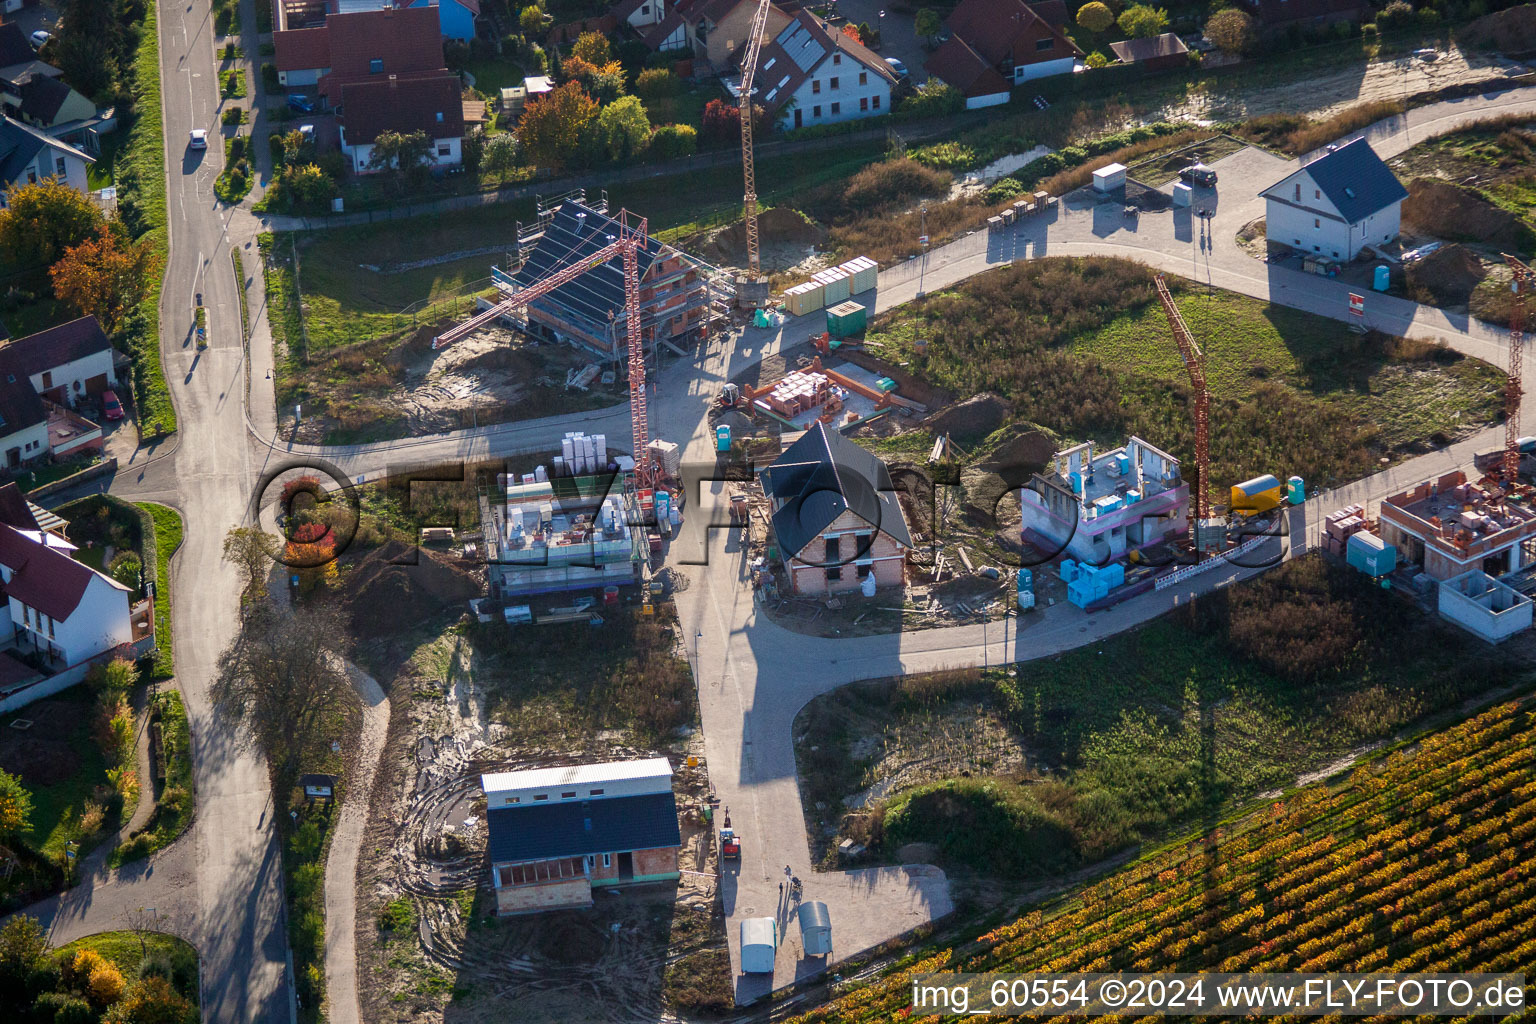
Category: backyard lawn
[58,761]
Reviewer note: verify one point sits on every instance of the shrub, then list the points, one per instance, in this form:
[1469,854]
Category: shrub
[1096,60]
[1232,31]
[276,148]
[105,985]
[657,83]
[77,970]
[669,141]
[893,181]
[269,80]
[127,570]
[1143,22]
[62,1008]
[1096,17]
[397,916]
[1004,190]
[233,115]
[945,156]
[1396,15]
[116,677]
[933,99]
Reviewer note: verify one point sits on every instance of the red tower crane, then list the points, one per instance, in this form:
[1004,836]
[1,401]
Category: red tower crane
[1194,365]
[749,172]
[1513,392]
[627,241]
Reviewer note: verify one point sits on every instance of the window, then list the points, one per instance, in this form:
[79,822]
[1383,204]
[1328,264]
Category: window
[541,796]
[837,59]
[837,108]
[376,66]
[834,82]
[47,379]
[863,102]
[1045,44]
[863,77]
[591,861]
[1297,196]
[1317,193]
[877,103]
[568,796]
[594,792]
[439,117]
[607,860]
[444,149]
[815,86]
[816,111]
[50,621]
[514,799]
[58,166]
[645,8]
[1316,222]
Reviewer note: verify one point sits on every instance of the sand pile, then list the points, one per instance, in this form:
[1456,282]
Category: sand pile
[1448,275]
[1508,31]
[385,593]
[727,246]
[972,419]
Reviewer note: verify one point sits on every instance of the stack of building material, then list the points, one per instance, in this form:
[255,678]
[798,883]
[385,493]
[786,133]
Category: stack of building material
[797,392]
[836,284]
[863,273]
[805,298]
[1088,583]
[1339,526]
[582,455]
[670,456]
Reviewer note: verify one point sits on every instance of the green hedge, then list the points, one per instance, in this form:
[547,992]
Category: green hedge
[166,538]
[177,802]
[140,171]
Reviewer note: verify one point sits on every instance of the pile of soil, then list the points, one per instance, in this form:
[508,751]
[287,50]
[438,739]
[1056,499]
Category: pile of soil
[971,420]
[727,246]
[1511,31]
[1023,456]
[397,585]
[1444,210]
[1448,275]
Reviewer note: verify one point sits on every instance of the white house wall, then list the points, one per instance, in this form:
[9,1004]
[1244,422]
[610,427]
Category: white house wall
[77,371]
[995,99]
[846,95]
[361,155]
[100,622]
[1043,69]
[306,76]
[31,443]
[1313,231]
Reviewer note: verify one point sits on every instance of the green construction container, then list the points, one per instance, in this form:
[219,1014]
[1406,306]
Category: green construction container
[846,319]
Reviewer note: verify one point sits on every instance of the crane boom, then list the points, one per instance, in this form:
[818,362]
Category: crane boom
[1194,365]
[749,172]
[1524,279]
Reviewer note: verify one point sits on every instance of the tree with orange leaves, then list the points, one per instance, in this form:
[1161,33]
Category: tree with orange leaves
[104,276]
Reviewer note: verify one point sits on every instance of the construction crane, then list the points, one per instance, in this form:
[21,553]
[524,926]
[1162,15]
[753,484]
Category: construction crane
[1524,279]
[749,173]
[1194,365]
[626,244]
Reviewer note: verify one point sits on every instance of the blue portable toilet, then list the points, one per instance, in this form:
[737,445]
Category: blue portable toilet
[1123,463]
[722,438]
[1296,490]
[1077,482]
[1383,278]
[1026,591]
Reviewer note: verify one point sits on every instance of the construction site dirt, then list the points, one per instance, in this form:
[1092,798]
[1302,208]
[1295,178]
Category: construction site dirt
[628,958]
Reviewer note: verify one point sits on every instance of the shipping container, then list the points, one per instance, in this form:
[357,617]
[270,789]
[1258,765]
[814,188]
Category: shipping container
[846,319]
[1370,554]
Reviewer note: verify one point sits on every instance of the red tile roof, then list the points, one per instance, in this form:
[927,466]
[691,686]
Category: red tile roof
[958,64]
[407,41]
[779,74]
[431,105]
[302,49]
[43,577]
[54,347]
[993,28]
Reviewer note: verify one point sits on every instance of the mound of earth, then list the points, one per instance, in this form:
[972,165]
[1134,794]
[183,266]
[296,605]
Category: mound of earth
[778,226]
[1508,31]
[1444,210]
[1021,457]
[396,585]
[1448,275]
[971,420]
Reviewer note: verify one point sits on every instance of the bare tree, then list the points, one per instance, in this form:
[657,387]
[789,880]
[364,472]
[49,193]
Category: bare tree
[253,550]
[284,676]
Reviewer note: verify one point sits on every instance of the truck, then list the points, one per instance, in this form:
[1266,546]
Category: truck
[730,844]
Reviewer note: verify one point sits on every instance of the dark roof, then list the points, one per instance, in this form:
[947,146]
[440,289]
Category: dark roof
[1354,179]
[820,476]
[575,828]
[325,781]
[794,54]
[14,76]
[1132,50]
[14,509]
[431,105]
[42,577]
[957,63]
[1053,12]
[20,406]
[574,233]
[654,35]
[42,97]
[14,47]
[19,145]
[993,27]
[53,347]
[407,40]
[302,49]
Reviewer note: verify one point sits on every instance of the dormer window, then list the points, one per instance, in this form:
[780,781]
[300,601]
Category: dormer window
[439,117]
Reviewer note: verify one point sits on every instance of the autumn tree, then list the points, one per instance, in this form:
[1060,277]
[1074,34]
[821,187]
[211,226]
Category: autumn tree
[502,152]
[670,141]
[151,1000]
[283,676]
[593,48]
[23,957]
[721,121]
[927,23]
[1143,22]
[625,128]
[603,82]
[15,807]
[308,188]
[252,550]
[403,155]
[1095,16]
[531,20]
[41,220]
[552,129]
[1232,31]
[104,277]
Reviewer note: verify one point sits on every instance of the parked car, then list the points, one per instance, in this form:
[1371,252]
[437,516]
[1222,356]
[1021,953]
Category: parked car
[302,104]
[897,67]
[197,138]
[111,408]
[1199,174]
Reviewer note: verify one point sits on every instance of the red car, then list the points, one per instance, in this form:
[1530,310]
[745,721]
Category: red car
[110,406]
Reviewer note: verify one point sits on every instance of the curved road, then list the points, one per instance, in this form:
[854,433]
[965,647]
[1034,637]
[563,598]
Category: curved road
[233,910]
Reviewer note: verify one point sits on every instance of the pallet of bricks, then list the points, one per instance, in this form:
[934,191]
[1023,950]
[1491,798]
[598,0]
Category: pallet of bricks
[1340,525]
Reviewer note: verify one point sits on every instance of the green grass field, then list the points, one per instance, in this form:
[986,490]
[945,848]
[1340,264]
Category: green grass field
[56,809]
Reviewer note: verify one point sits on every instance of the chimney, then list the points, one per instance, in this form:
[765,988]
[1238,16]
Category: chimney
[393,83]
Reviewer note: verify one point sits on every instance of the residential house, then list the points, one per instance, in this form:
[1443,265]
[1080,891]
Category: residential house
[589,311]
[23,422]
[1337,204]
[455,18]
[713,31]
[17,511]
[1097,505]
[555,834]
[994,45]
[1276,16]
[1156,53]
[28,155]
[1451,526]
[46,102]
[811,73]
[836,515]
[66,364]
[356,46]
[428,105]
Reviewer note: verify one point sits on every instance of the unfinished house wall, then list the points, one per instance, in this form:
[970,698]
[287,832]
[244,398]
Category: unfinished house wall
[541,885]
[1100,504]
[1453,526]
[1484,606]
[860,548]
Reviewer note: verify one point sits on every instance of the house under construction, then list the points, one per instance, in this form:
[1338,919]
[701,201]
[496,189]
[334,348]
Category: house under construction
[1452,526]
[1098,505]
[680,296]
